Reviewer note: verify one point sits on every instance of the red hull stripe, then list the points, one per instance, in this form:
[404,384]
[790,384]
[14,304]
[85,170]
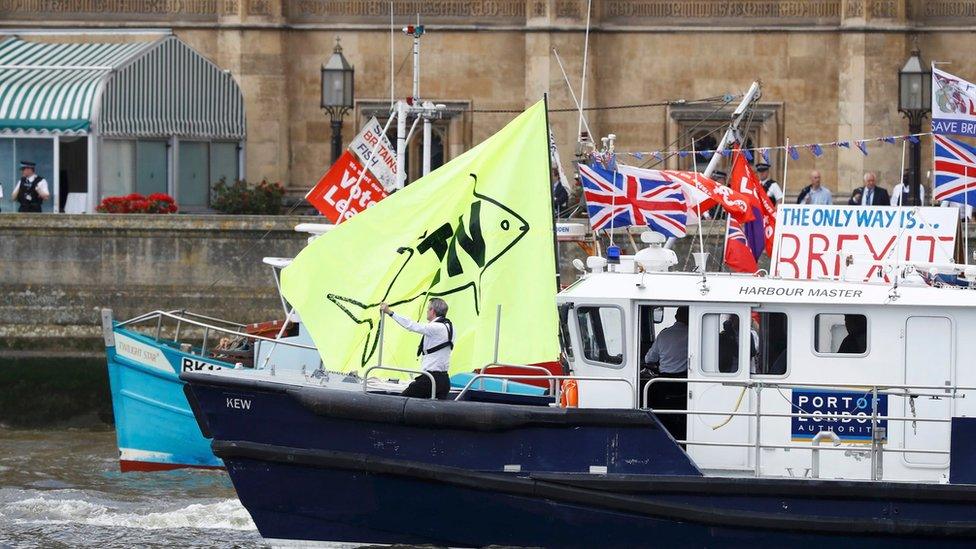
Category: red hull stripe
[129,466]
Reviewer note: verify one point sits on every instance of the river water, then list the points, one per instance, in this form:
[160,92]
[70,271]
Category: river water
[63,488]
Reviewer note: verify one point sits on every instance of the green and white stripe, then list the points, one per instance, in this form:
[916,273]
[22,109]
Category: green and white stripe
[137,89]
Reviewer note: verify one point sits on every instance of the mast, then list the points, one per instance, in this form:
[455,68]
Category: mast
[414,106]
[755,91]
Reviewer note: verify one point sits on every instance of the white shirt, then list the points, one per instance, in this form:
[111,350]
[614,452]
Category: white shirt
[896,194]
[821,196]
[434,333]
[670,349]
[41,188]
[774,192]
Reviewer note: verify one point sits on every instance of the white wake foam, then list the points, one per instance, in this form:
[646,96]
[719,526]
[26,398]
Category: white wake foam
[227,514]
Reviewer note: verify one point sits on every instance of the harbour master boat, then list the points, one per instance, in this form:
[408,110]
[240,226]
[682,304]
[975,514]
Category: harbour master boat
[824,411]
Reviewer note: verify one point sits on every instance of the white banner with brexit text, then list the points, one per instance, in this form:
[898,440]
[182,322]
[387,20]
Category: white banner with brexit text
[858,242]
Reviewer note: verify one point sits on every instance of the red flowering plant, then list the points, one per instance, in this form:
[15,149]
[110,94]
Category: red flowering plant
[156,203]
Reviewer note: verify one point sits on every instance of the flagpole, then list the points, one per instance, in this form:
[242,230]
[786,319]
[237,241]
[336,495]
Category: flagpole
[904,146]
[776,242]
[552,203]
[701,230]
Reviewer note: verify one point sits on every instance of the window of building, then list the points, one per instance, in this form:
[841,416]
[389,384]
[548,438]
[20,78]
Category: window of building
[601,331]
[720,343]
[842,334]
[201,164]
[133,166]
[770,335]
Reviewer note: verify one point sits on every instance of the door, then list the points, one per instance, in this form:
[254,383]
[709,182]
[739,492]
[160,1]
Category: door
[720,349]
[601,345]
[193,185]
[929,350]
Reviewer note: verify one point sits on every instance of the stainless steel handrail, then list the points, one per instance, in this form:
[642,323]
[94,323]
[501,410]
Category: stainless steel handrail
[876,447]
[433,384]
[941,390]
[183,320]
[545,371]
[183,312]
[633,395]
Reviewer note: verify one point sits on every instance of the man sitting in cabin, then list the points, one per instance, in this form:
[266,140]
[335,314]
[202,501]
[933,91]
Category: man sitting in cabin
[668,357]
[435,348]
[856,341]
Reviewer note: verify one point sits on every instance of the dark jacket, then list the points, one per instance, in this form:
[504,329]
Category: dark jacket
[880,197]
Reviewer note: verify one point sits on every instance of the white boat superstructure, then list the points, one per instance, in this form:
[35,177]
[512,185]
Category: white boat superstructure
[800,378]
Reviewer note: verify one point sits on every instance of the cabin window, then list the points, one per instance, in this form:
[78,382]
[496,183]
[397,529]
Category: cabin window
[770,335]
[720,343]
[840,334]
[601,331]
[564,340]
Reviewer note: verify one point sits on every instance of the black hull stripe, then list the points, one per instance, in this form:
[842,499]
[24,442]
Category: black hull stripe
[550,489]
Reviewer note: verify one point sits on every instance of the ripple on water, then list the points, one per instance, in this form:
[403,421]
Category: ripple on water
[52,509]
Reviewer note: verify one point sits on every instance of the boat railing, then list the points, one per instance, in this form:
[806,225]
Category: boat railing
[433,384]
[878,434]
[545,372]
[553,379]
[208,324]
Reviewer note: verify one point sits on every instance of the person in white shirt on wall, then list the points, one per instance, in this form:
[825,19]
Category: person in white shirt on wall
[901,194]
[31,191]
[435,349]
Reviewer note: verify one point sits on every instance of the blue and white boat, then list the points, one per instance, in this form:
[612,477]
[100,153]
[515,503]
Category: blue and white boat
[154,424]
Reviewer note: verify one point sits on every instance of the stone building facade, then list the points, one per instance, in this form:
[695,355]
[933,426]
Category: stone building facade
[828,67]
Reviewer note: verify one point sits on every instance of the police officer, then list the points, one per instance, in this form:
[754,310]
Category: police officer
[772,188]
[435,349]
[31,190]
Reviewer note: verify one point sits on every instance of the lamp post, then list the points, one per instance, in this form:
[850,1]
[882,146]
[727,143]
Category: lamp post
[337,94]
[914,100]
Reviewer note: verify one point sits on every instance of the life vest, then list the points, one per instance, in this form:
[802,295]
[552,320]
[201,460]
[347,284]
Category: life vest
[28,195]
[438,347]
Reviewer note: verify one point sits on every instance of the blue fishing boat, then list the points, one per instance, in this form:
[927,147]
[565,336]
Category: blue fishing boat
[154,423]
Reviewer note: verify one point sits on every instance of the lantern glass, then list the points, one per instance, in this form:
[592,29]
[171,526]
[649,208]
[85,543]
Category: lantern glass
[337,81]
[914,85]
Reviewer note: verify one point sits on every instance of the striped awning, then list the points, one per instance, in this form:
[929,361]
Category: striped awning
[53,87]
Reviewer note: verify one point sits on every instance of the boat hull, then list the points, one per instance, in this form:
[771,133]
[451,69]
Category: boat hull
[154,425]
[395,501]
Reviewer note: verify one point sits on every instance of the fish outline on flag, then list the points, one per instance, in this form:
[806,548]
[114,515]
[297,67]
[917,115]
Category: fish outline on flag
[444,242]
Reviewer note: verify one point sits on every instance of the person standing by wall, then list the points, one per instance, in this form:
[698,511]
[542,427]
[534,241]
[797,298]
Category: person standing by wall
[31,191]
[815,192]
[870,194]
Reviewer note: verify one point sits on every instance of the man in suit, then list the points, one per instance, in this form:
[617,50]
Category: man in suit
[870,194]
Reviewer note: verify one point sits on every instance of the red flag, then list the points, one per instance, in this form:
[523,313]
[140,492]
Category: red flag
[704,193]
[744,180]
[338,197]
[738,256]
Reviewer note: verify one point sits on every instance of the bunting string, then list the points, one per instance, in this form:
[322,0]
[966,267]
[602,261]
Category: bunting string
[816,149]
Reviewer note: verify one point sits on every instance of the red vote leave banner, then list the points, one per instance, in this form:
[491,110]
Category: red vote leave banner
[337,195]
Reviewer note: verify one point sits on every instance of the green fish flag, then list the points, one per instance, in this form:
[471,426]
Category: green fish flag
[477,232]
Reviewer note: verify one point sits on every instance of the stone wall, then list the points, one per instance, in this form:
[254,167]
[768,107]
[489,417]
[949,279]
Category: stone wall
[828,67]
[56,271]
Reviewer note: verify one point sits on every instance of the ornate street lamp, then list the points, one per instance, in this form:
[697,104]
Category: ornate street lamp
[914,100]
[337,94]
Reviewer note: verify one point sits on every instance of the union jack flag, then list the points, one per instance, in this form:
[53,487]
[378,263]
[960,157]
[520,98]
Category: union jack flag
[621,199]
[955,170]
[735,233]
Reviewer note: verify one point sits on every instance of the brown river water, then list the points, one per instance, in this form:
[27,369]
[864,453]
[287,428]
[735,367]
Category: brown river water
[63,488]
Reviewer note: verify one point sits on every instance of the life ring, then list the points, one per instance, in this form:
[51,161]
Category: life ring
[569,397]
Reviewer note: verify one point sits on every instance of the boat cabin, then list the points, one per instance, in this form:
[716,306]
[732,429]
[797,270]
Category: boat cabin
[792,378]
